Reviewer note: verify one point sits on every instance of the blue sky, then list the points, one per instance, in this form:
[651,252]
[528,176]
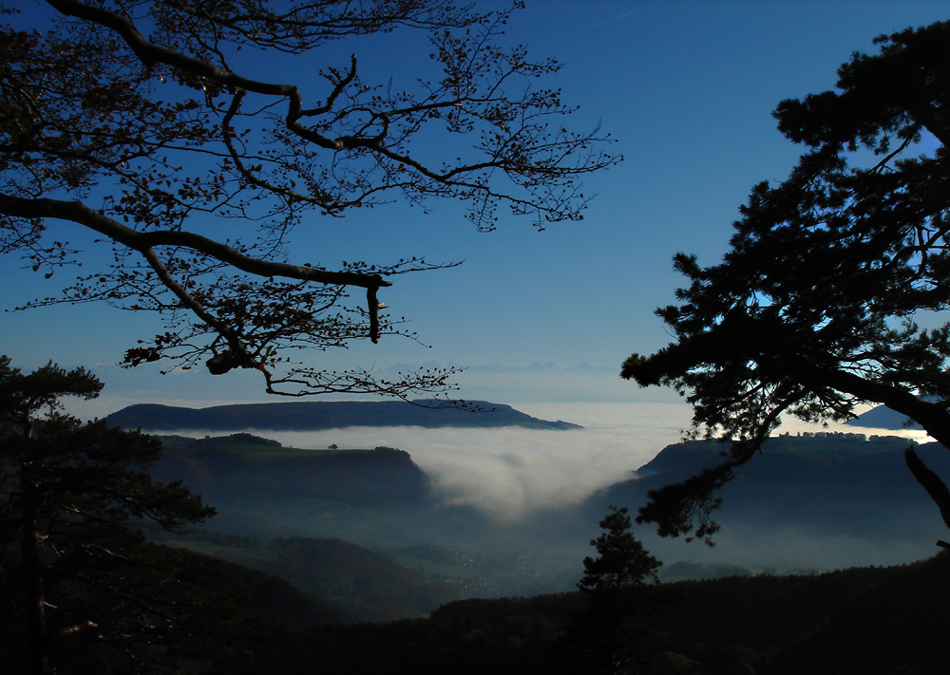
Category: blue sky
[686,89]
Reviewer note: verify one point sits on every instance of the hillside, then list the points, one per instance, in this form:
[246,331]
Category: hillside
[831,484]
[872,621]
[275,600]
[299,582]
[315,581]
[321,415]
[811,502]
[846,486]
[245,469]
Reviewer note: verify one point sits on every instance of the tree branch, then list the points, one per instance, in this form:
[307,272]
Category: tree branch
[144,243]
[932,417]
[78,212]
[150,54]
[931,482]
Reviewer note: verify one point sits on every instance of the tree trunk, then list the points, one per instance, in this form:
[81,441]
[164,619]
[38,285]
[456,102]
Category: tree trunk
[33,576]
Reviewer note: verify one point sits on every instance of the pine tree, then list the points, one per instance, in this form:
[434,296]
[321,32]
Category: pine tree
[834,291]
[612,634]
[82,590]
[623,562]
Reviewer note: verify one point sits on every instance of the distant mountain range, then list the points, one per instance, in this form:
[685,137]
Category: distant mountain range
[534,368]
[322,415]
[548,368]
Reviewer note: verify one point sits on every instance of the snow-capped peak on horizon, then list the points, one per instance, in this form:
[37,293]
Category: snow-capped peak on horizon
[533,368]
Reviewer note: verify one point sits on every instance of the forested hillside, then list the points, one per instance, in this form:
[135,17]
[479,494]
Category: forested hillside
[850,621]
[803,492]
[329,522]
[844,484]
[248,469]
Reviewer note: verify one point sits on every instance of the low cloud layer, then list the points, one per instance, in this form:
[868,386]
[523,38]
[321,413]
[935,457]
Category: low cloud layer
[509,472]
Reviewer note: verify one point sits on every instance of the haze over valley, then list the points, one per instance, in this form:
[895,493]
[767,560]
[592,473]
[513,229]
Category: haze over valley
[525,502]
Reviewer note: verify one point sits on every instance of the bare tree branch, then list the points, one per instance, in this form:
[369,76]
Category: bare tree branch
[135,103]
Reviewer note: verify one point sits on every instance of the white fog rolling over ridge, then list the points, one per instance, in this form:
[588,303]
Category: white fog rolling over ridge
[515,475]
[510,472]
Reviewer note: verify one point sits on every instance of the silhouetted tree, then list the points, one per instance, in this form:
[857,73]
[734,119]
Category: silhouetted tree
[159,125]
[622,561]
[831,293]
[612,634]
[81,590]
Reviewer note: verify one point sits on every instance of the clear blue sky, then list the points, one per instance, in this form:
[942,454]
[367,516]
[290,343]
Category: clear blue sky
[686,88]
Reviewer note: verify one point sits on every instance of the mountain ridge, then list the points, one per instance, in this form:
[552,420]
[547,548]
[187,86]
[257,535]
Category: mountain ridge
[829,482]
[323,415]
[221,468]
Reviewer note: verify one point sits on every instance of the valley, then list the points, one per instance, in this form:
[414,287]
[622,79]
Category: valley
[348,546]
[806,505]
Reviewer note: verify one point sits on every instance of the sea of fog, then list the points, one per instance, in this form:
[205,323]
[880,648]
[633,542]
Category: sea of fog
[509,472]
[512,473]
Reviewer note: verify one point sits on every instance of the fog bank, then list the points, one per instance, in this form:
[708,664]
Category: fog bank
[509,472]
